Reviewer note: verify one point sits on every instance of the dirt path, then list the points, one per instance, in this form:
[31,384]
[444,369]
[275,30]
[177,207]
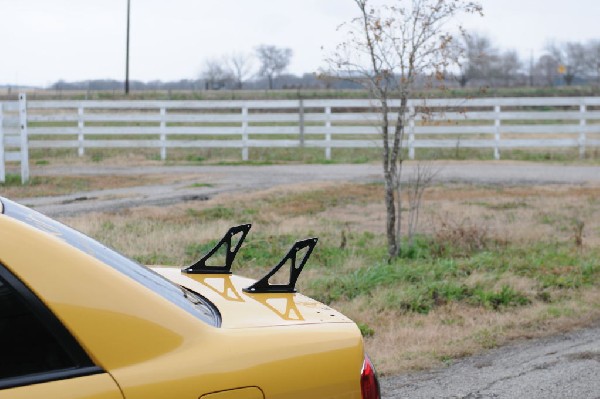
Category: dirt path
[204,182]
[564,366]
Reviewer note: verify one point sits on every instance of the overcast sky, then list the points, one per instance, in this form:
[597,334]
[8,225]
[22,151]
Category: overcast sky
[42,41]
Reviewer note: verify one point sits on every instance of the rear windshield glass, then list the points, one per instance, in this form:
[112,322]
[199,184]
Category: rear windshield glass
[185,299]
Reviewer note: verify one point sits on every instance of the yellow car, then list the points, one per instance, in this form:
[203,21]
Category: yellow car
[78,320]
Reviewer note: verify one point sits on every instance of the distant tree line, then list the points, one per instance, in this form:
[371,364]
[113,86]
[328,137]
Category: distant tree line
[481,64]
[281,82]
[561,63]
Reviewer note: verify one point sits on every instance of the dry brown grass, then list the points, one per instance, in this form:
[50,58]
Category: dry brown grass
[405,342]
[521,213]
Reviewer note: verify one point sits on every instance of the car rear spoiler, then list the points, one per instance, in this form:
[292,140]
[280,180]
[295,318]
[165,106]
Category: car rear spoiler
[301,248]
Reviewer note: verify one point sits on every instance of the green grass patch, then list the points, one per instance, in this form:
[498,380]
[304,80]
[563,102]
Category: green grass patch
[427,280]
[11,180]
[57,183]
[553,265]
[195,158]
[199,185]
[365,330]
[505,297]
[215,213]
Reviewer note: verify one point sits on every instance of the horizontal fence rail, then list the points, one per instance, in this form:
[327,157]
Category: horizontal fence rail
[490,123]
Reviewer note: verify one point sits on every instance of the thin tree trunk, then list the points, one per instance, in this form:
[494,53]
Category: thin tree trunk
[399,206]
[389,177]
[391,215]
[396,160]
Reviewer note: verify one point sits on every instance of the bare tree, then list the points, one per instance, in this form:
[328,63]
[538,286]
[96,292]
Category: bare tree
[273,61]
[570,57]
[240,67]
[421,178]
[477,57]
[387,49]
[509,66]
[592,59]
[546,69]
[214,74]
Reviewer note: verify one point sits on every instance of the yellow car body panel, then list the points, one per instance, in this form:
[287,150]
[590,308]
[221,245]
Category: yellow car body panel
[287,345]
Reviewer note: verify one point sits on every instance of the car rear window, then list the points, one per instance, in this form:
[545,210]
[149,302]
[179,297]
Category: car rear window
[185,299]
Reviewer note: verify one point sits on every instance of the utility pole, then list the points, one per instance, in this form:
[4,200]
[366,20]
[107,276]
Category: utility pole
[127,51]
[531,69]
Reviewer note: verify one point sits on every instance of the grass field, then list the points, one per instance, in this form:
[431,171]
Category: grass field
[490,263]
[269,156]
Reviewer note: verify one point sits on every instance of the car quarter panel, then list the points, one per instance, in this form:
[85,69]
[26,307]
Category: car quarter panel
[307,361]
[116,320]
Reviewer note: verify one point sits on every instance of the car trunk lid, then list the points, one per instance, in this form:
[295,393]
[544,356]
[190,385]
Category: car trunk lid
[243,310]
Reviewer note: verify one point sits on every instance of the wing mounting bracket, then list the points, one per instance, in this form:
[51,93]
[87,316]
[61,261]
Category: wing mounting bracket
[201,267]
[263,285]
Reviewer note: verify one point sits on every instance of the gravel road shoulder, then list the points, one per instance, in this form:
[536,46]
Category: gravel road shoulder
[563,366]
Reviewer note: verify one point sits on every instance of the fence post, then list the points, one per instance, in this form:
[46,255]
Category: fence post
[24,138]
[497,111]
[80,138]
[328,133]
[245,133]
[582,138]
[2,165]
[301,121]
[411,133]
[163,136]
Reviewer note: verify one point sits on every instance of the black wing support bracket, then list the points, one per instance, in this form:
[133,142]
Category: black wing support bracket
[263,285]
[201,267]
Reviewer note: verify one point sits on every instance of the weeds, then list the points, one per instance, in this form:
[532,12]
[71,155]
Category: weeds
[578,226]
[503,298]
[460,239]
[365,330]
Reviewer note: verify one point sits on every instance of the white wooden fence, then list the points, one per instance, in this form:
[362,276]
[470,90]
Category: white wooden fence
[491,123]
[13,137]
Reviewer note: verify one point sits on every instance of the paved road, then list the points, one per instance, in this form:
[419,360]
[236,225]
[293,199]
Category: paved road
[244,178]
[564,366]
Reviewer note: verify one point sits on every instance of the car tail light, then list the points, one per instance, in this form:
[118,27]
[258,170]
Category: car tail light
[369,385]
